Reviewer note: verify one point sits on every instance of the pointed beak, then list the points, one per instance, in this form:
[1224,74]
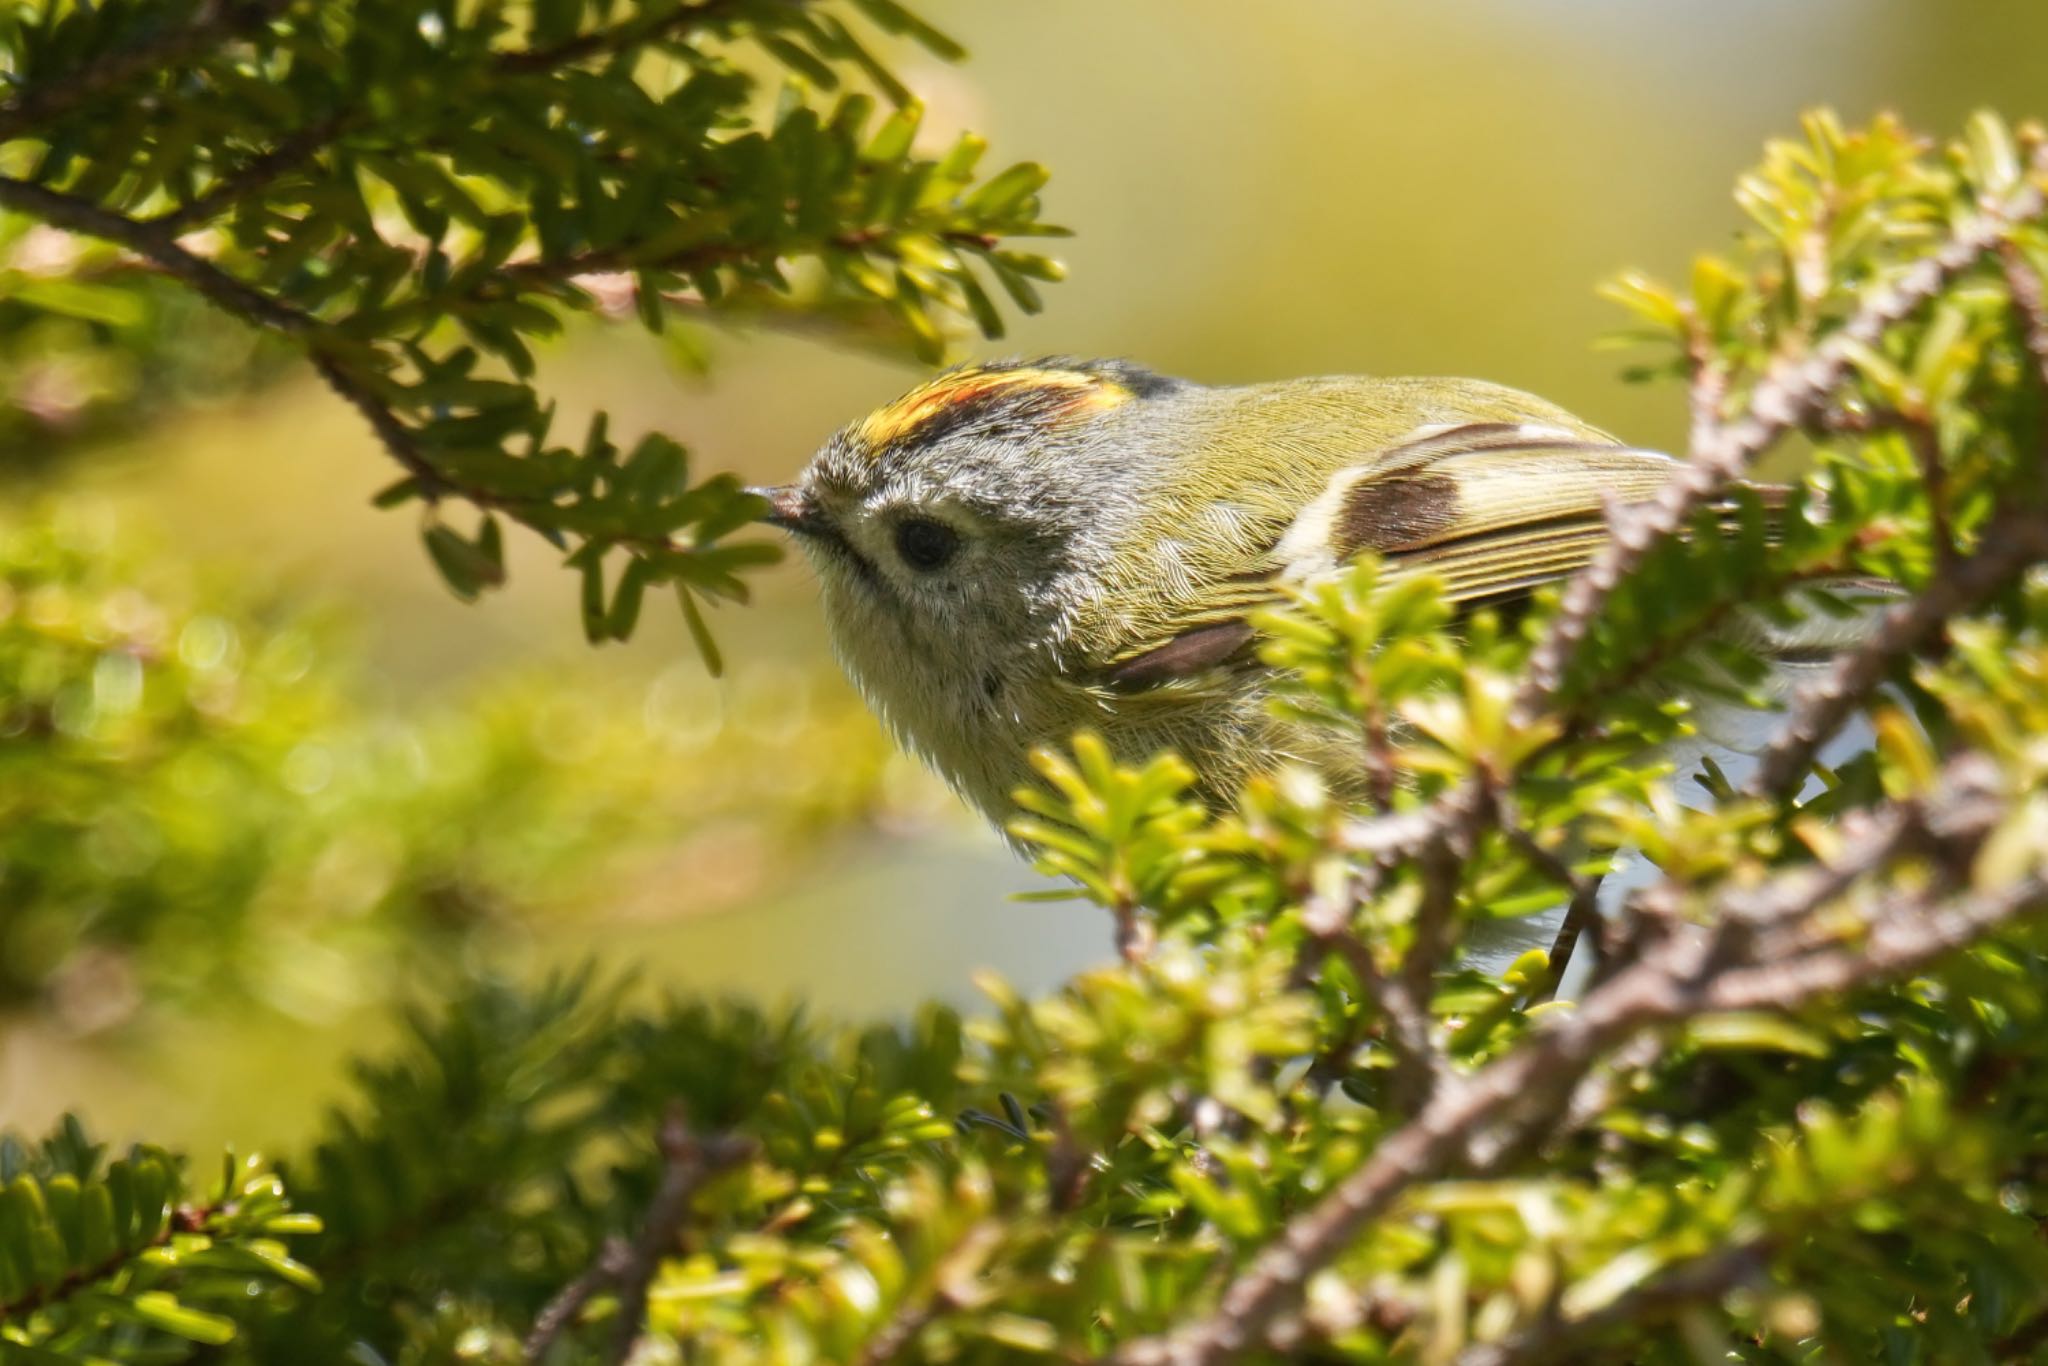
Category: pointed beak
[790,509]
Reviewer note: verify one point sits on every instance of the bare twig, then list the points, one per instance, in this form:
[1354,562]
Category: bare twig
[1925,444]
[1417,1064]
[397,438]
[1579,912]
[29,113]
[2013,540]
[561,1311]
[1708,386]
[688,1161]
[950,1287]
[2025,285]
[1442,866]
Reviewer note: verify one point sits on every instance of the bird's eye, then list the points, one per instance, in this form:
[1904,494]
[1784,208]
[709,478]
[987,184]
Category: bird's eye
[924,544]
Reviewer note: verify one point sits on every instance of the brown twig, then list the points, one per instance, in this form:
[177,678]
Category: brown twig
[2012,540]
[398,439]
[1579,913]
[1925,443]
[603,41]
[162,249]
[950,1287]
[2024,283]
[1417,1063]
[1707,387]
[560,1312]
[688,1161]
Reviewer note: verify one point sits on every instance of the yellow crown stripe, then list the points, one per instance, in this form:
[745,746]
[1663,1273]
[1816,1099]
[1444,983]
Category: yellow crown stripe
[918,407]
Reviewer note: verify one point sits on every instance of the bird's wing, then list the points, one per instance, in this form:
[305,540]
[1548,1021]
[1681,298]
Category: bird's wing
[1495,509]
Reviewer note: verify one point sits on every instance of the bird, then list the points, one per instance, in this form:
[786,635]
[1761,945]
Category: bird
[1021,549]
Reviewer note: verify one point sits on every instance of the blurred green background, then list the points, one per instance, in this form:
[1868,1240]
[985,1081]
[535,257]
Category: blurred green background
[1339,186]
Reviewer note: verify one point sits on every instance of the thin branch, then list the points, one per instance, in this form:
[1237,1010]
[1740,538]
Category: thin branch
[1580,912]
[29,113]
[1442,867]
[604,41]
[1708,388]
[398,439]
[951,1287]
[560,1313]
[2024,283]
[2013,540]
[161,248]
[1417,1063]
[1904,935]
[689,1162]
[1925,443]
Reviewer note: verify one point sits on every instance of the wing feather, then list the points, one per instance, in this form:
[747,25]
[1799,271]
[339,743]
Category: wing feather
[1496,509]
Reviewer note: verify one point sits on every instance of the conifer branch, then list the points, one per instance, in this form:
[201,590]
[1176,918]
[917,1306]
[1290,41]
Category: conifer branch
[1701,969]
[184,1219]
[1792,394]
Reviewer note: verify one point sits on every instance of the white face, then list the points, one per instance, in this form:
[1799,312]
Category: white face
[956,534]
[946,610]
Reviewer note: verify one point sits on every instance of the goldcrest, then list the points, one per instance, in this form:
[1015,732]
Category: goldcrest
[1019,550]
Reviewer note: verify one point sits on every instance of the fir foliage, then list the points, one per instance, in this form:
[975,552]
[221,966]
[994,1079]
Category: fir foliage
[412,195]
[131,1259]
